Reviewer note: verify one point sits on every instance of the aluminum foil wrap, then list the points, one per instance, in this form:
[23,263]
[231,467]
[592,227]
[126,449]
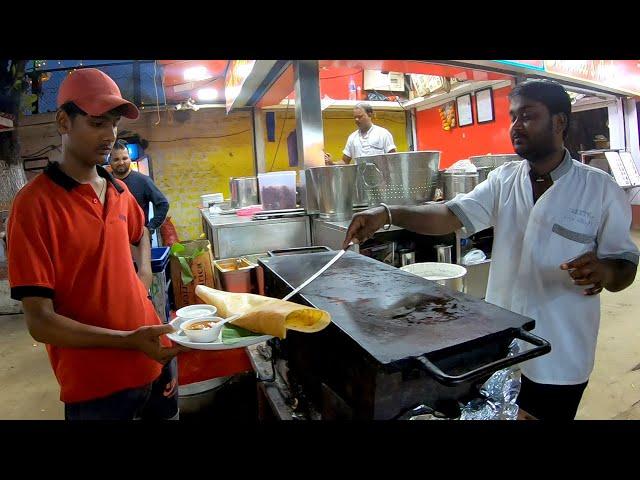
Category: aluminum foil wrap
[498,394]
[424,412]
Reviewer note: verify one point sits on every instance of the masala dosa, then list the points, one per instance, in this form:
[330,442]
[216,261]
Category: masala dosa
[269,316]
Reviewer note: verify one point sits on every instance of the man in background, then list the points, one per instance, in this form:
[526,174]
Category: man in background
[368,139]
[141,187]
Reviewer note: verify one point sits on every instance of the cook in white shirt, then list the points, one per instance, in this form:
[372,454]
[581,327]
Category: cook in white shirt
[561,235]
[368,139]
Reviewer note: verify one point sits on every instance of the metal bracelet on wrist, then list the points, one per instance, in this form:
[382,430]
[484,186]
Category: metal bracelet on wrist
[387,226]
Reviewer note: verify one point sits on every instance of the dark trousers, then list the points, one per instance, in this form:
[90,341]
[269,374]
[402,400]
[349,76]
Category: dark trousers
[155,401]
[550,402]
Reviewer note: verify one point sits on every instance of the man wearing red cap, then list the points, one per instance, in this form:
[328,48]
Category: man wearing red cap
[71,233]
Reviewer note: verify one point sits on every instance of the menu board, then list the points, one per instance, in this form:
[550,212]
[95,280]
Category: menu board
[630,167]
[624,171]
[465,111]
[484,105]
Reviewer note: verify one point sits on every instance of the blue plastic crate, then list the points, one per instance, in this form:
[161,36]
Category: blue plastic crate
[159,258]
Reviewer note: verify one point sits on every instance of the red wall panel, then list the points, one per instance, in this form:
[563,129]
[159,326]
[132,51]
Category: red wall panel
[476,139]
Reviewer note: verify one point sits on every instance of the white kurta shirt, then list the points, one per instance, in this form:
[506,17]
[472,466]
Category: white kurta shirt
[584,210]
[376,141]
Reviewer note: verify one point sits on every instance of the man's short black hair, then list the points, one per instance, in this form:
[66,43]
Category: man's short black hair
[120,145]
[366,107]
[72,110]
[548,92]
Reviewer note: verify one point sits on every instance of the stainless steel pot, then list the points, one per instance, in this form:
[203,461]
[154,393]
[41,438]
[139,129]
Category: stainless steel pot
[196,398]
[487,163]
[244,191]
[483,173]
[360,198]
[407,257]
[334,189]
[454,183]
[494,160]
[407,178]
[443,253]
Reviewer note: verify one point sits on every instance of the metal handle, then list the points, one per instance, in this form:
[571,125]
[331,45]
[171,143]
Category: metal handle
[542,347]
[275,253]
[366,184]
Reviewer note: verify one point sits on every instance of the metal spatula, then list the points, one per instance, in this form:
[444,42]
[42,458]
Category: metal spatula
[318,273]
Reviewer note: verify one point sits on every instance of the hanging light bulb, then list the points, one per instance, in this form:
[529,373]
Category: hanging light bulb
[207,94]
[196,74]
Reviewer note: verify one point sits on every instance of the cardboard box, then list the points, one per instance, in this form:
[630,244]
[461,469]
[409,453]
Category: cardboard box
[201,269]
[635,217]
[420,85]
[390,82]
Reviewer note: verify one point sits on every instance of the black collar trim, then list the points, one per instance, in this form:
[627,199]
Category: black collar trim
[53,171]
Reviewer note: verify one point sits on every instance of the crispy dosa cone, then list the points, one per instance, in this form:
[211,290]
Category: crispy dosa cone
[265,315]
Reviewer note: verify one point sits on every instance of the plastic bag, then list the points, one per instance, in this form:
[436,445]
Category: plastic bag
[498,394]
[473,256]
[463,166]
[168,233]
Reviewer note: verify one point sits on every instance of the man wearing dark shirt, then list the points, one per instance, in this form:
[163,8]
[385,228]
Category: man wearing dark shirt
[141,186]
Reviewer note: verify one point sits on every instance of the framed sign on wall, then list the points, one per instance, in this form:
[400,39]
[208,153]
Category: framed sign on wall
[465,110]
[484,105]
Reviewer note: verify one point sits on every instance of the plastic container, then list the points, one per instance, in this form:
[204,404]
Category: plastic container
[249,211]
[210,198]
[206,335]
[159,258]
[196,311]
[160,282]
[278,190]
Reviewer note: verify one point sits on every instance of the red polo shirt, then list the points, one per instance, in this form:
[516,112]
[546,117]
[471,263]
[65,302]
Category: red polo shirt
[65,245]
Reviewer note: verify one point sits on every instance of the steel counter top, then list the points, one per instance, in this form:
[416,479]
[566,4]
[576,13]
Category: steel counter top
[234,236]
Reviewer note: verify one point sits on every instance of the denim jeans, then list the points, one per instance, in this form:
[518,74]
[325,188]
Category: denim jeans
[155,401]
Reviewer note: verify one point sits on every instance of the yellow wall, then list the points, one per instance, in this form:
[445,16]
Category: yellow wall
[337,126]
[279,162]
[189,167]
[209,148]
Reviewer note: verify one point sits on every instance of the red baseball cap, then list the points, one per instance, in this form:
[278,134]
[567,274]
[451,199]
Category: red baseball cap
[94,92]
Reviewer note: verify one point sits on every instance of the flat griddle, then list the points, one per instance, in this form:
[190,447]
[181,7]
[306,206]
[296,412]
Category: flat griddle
[391,314]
